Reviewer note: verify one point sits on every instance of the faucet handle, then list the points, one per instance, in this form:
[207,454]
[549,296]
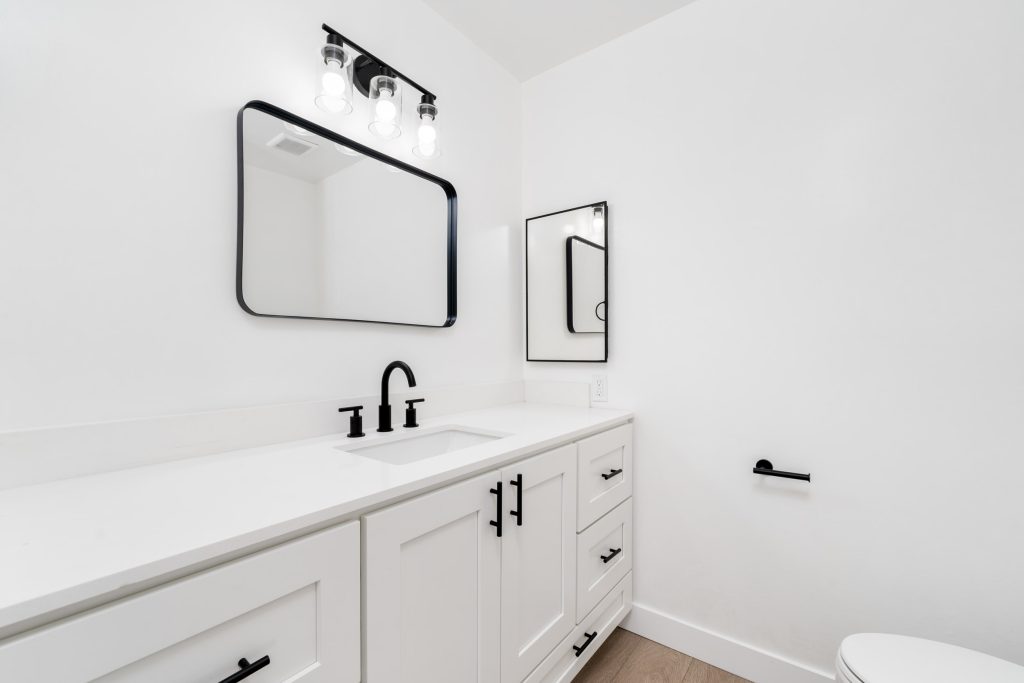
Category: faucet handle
[410,412]
[355,422]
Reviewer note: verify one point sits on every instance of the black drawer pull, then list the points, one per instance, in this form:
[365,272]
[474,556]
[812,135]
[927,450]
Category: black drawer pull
[518,512]
[611,474]
[497,524]
[247,669]
[608,558]
[580,648]
[765,467]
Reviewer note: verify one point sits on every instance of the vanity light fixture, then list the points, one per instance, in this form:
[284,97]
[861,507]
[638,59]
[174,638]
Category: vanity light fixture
[427,138]
[335,96]
[347,66]
[386,103]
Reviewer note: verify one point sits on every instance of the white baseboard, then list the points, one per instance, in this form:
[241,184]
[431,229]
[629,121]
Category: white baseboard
[735,657]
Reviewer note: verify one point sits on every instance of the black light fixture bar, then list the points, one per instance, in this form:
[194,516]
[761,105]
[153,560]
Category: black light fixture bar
[379,61]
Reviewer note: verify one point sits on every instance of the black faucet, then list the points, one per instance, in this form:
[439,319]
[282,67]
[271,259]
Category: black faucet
[384,411]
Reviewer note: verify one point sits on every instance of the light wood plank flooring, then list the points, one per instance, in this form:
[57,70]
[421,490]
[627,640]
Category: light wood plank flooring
[627,658]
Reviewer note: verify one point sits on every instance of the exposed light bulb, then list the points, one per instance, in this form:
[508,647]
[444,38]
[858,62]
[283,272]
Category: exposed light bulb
[386,109]
[426,133]
[386,103]
[333,79]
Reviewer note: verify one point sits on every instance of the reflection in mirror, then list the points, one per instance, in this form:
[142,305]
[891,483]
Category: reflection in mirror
[331,229]
[567,285]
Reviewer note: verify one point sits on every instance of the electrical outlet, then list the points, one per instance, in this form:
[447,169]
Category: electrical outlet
[599,389]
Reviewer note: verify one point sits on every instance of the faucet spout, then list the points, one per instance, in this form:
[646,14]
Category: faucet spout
[384,411]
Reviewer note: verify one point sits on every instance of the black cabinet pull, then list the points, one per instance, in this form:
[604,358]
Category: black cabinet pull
[497,524]
[765,467]
[611,474]
[580,648]
[247,669]
[518,512]
[608,558]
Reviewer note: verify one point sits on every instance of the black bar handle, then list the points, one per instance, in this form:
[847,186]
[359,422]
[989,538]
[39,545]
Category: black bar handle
[518,512]
[497,524]
[608,558]
[247,669]
[580,648]
[611,474]
[355,422]
[410,412]
[765,467]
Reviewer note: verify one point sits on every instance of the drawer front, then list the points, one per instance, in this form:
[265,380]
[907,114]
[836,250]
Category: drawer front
[297,603]
[566,661]
[605,474]
[604,554]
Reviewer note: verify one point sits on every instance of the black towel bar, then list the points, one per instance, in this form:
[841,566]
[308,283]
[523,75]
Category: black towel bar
[765,467]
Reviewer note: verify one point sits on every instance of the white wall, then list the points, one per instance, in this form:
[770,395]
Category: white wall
[817,230]
[118,197]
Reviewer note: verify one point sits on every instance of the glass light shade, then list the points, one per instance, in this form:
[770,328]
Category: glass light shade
[428,136]
[385,107]
[335,94]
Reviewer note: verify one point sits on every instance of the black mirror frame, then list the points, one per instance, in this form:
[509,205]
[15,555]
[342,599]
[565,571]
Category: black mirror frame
[449,190]
[526,252]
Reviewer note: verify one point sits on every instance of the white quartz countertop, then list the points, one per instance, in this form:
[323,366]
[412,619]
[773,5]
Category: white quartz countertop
[72,541]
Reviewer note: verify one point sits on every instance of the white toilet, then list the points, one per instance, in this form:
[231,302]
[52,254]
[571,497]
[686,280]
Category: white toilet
[886,658]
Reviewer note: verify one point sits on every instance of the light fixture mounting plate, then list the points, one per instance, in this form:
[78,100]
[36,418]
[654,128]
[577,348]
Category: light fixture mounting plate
[363,70]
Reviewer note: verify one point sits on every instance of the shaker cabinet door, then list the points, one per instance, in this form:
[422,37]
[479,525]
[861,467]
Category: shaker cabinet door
[432,578]
[538,560]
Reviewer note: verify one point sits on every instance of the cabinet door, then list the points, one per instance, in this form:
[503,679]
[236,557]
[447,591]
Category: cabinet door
[538,560]
[432,587]
[294,607]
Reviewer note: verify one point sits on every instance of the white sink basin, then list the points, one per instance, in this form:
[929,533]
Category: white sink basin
[410,448]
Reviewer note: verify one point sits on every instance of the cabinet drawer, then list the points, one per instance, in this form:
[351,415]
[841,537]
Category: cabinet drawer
[297,603]
[604,554]
[565,661]
[605,474]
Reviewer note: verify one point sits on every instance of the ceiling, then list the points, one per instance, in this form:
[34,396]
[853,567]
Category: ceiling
[531,36]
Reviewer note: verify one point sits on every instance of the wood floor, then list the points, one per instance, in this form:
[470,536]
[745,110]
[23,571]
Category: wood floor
[627,658]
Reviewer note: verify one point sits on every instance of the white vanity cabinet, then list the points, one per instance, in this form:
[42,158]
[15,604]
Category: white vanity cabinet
[517,574]
[297,605]
[467,570]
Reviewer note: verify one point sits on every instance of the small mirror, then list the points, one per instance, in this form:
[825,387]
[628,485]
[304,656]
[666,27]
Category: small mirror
[331,229]
[567,285]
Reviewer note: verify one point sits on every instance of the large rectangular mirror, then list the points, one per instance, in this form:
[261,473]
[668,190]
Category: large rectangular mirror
[567,285]
[331,229]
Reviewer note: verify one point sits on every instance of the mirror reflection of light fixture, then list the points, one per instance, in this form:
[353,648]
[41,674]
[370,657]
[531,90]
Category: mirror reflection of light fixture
[428,143]
[347,67]
[347,151]
[386,105]
[598,221]
[297,129]
[335,96]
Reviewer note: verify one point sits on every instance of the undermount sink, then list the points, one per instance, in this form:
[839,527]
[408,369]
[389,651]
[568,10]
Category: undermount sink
[427,444]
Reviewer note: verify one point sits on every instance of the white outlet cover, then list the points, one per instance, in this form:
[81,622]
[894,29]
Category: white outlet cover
[599,389]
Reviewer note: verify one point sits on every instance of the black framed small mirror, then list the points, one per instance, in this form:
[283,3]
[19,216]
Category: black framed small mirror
[567,285]
[330,229]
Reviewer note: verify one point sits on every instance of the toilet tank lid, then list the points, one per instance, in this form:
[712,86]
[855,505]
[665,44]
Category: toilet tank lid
[887,658]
